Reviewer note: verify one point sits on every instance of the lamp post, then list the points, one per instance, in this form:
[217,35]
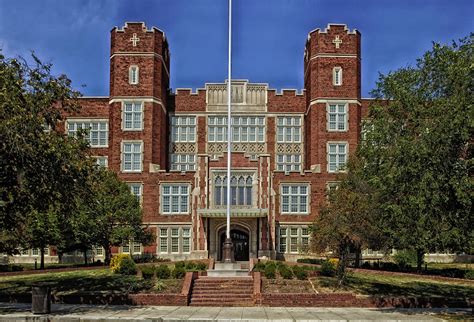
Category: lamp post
[228,248]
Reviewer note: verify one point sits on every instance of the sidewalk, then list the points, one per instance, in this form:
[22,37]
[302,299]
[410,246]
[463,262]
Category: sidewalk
[77,313]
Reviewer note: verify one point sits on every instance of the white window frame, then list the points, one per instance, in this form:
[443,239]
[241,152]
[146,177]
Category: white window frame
[286,133]
[171,194]
[337,81]
[122,156]
[131,69]
[286,162]
[101,157]
[288,236]
[131,248]
[291,194]
[183,125]
[178,164]
[337,143]
[337,115]
[134,116]
[88,136]
[138,185]
[245,129]
[168,239]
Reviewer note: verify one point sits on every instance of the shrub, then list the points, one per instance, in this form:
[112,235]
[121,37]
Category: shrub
[148,272]
[179,272]
[316,261]
[366,265]
[190,266]
[123,264]
[270,271]
[300,272]
[163,272]
[405,259]
[10,268]
[389,266]
[328,269]
[469,275]
[180,265]
[200,266]
[285,272]
[259,267]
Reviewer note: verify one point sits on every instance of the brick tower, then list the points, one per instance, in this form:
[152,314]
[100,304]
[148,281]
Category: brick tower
[332,78]
[139,82]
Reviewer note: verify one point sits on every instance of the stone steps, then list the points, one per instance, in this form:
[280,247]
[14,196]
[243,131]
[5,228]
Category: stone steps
[232,291]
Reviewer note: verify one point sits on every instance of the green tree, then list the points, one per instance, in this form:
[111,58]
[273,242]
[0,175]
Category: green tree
[40,167]
[111,213]
[417,151]
[344,221]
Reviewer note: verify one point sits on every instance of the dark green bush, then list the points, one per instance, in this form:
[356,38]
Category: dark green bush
[190,266]
[285,272]
[163,272]
[366,265]
[316,261]
[180,265]
[270,271]
[10,268]
[147,272]
[179,272]
[405,259]
[300,272]
[469,275]
[259,267]
[200,266]
[123,264]
[327,269]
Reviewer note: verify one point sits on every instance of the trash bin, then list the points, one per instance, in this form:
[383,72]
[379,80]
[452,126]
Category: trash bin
[41,299]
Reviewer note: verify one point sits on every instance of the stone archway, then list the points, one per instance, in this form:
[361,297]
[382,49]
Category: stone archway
[241,240]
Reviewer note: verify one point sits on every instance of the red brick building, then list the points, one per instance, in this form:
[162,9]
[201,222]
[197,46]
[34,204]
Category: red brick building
[170,147]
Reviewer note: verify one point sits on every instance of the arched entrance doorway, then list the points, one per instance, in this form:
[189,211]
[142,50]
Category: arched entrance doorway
[240,239]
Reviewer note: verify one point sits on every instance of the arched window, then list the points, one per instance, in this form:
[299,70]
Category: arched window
[240,191]
[133,75]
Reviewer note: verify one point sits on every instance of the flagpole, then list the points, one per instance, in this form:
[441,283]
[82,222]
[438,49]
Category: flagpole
[228,247]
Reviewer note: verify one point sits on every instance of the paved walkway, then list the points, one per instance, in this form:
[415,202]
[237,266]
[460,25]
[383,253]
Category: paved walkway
[78,313]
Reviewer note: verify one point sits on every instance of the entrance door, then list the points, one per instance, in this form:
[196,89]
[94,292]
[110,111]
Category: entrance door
[240,239]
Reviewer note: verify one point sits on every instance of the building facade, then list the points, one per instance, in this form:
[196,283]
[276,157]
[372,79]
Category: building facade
[170,147]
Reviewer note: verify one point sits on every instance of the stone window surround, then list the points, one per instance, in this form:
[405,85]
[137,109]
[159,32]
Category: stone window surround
[346,111]
[327,155]
[169,237]
[175,183]
[224,126]
[142,103]
[308,199]
[288,237]
[335,70]
[252,172]
[103,157]
[122,156]
[132,184]
[131,69]
[289,126]
[131,244]
[90,121]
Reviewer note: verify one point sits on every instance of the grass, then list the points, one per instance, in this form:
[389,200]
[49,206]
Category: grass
[98,280]
[396,285]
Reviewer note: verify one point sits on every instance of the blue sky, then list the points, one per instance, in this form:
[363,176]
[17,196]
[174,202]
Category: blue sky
[269,35]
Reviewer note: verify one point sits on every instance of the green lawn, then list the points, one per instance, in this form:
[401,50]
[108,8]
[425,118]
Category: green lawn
[396,285]
[98,280]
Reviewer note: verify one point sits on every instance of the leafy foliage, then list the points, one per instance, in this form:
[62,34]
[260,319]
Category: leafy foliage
[123,264]
[179,272]
[328,268]
[163,272]
[300,272]
[148,271]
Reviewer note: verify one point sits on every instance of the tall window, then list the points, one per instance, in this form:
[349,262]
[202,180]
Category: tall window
[133,75]
[244,129]
[174,240]
[101,161]
[288,162]
[240,190]
[137,190]
[294,199]
[337,117]
[131,247]
[289,129]
[133,116]
[337,156]
[293,239]
[97,132]
[175,199]
[337,76]
[183,129]
[132,156]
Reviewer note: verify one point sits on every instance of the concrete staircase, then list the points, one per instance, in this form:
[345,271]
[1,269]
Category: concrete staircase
[229,269]
[222,291]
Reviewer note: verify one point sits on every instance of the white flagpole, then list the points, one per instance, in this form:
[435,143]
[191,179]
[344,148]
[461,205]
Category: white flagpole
[229,120]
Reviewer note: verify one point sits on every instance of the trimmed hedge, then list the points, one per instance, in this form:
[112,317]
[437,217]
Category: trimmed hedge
[163,272]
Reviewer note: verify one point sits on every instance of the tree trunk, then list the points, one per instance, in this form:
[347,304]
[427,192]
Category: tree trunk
[108,254]
[60,257]
[357,257]
[85,256]
[341,266]
[420,254]
[42,258]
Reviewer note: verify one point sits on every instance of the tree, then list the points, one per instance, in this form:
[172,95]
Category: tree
[418,151]
[40,167]
[345,218]
[112,214]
